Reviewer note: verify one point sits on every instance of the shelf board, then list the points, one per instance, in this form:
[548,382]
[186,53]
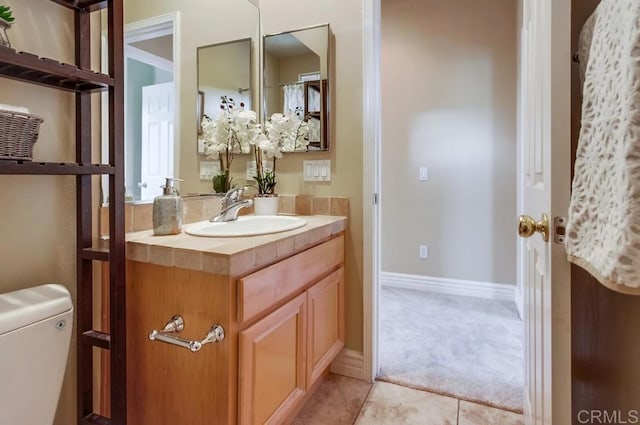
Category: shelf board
[28,67]
[83,5]
[96,253]
[50,168]
[94,419]
[97,339]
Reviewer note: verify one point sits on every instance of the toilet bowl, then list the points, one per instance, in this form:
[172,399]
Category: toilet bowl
[35,332]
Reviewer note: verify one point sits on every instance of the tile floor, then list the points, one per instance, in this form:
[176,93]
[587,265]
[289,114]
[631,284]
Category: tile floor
[346,401]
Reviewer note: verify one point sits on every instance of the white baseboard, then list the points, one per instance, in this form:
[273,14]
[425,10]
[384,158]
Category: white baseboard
[469,288]
[518,300]
[349,363]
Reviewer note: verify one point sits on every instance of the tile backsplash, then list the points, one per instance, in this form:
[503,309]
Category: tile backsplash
[139,216]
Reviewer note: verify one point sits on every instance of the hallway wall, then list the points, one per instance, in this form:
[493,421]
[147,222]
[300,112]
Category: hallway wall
[449,103]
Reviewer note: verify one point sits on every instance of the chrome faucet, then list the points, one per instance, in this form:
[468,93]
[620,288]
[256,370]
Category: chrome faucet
[231,205]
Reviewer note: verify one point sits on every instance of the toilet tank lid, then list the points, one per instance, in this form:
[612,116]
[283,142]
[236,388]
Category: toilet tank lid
[26,306]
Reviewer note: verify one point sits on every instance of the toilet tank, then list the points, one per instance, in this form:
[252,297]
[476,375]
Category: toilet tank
[35,332]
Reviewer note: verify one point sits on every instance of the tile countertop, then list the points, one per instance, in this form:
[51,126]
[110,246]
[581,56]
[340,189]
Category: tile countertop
[230,256]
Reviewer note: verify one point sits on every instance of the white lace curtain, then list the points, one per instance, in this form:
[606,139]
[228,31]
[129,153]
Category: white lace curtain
[293,98]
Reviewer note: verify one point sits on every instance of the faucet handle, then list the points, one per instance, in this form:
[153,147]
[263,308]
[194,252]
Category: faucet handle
[234,194]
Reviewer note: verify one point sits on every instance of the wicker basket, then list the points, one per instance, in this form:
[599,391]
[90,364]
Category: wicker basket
[18,133]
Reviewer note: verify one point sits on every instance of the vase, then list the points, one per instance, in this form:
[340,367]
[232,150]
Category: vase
[265,204]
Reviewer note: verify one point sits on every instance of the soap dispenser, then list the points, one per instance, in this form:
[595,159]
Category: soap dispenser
[167,210]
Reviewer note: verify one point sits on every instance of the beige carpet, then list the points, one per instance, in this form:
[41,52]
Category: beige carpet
[463,347]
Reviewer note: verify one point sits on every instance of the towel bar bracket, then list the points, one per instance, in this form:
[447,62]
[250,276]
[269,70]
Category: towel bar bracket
[176,325]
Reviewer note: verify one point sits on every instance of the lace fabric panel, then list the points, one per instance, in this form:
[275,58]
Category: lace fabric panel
[603,230]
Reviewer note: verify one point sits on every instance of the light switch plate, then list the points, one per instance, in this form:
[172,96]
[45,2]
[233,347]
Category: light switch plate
[209,169]
[251,168]
[317,170]
[424,174]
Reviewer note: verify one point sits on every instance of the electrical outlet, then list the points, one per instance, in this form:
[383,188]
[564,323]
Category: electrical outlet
[424,252]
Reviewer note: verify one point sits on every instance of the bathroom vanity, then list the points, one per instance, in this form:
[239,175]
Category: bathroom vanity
[279,299]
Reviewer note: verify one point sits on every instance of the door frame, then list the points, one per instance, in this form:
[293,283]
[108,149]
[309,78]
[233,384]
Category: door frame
[372,167]
[559,111]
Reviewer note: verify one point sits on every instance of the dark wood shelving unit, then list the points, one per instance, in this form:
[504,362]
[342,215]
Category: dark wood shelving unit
[53,168]
[96,253]
[49,72]
[83,5]
[79,78]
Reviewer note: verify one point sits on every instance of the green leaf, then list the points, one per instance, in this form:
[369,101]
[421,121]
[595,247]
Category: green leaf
[5,14]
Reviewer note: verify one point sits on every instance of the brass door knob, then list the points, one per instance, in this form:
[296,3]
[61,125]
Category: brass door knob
[527,226]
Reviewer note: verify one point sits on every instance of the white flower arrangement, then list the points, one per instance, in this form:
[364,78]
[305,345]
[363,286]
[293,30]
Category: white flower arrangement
[283,133]
[236,130]
[232,131]
[288,132]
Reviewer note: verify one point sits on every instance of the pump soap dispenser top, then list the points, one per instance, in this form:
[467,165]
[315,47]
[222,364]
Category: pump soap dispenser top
[168,210]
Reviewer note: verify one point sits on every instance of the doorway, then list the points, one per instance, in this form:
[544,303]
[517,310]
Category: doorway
[448,187]
[545,83]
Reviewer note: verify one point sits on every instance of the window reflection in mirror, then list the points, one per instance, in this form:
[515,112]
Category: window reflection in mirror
[223,70]
[296,79]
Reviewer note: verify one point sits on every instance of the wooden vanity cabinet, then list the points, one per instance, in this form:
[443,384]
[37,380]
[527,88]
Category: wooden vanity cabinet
[284,324]
[272,366]
[325,324]
[283,354]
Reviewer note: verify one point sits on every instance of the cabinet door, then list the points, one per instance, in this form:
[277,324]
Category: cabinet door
[325,323]
[272,364]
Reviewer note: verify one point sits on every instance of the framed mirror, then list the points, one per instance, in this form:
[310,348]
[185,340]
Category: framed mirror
[223,70]
[296,80]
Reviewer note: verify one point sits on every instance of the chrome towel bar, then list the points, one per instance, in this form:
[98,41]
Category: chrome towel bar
[176,325]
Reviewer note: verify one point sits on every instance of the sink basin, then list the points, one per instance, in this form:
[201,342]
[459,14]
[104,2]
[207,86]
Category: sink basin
[247,225]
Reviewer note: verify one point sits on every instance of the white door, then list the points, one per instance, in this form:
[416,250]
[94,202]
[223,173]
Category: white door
[545,68]
[157,138]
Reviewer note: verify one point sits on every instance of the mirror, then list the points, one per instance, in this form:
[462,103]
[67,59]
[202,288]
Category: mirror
[223,70]
[150,114]
[188,25]
[296,80]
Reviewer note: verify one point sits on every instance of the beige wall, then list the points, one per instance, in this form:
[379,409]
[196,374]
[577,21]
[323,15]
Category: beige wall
[285,70]
[449,103]
[38,242]
[272,94]
[161,46]
[222,70]
[346,21]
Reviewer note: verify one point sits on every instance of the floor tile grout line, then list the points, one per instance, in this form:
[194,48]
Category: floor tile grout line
[364,402]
